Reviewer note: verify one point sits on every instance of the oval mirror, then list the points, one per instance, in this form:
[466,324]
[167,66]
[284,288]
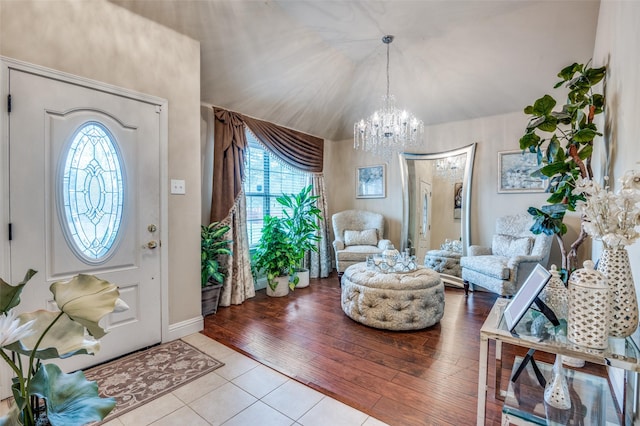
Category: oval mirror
[436,200]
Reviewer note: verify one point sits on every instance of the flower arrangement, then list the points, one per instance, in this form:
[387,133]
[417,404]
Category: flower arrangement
[613,218]
[29,338]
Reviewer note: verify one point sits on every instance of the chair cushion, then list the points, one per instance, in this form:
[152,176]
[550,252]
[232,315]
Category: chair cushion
[507,245]
[366,237]
[494,266]
[357,253]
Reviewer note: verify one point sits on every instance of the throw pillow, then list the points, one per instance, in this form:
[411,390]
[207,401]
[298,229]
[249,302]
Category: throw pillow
[509,246]
[367,237]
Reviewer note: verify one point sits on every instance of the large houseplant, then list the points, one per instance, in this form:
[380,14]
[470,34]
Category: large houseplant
[275,256]
[301,226]
[214,248]
[563,142]
[29,338]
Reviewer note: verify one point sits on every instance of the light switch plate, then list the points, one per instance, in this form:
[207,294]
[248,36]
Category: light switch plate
[178,187]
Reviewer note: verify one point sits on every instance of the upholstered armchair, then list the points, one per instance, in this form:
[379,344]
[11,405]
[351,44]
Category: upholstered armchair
[357,234]
[514,252]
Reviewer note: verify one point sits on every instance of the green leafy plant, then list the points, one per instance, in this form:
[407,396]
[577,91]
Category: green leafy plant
[563,142]
[29,338]
[214,247]
[301,221]
[275,254]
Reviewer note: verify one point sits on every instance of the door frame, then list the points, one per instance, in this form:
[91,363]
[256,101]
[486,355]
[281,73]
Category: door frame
[7,64]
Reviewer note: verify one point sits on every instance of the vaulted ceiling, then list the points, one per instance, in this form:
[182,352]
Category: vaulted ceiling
[318,66]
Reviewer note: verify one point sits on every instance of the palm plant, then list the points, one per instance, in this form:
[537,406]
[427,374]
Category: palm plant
[301,221]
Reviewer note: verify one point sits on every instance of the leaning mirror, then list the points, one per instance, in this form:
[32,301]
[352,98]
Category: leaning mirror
[436,200]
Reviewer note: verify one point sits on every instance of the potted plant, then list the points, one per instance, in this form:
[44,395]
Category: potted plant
[214,250]
[29,338]
[275,255]
[301,226]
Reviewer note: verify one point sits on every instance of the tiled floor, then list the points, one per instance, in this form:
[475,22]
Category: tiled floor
[242,392]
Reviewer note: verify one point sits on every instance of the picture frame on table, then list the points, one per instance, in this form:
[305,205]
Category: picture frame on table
[526,295]
[371,181]
[514,172]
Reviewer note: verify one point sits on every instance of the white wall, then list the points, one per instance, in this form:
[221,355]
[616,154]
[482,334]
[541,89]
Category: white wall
[104,42]
[492,134]
[618,47]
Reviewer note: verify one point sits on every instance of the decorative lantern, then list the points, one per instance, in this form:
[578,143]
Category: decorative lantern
[588,319]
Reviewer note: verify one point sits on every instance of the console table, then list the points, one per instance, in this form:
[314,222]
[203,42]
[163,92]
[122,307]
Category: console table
[621,353]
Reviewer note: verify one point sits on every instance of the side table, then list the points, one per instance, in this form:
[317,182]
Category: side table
[621,353]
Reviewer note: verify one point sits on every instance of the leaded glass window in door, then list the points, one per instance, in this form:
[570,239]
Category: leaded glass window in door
[92,193]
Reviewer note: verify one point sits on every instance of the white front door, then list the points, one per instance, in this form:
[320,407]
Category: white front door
[84,198]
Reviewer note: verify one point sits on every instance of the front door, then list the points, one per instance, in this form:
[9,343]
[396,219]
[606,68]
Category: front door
[424,224]
[84,198]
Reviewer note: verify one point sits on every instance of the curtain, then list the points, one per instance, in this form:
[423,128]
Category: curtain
[228,162]
[238,286]
[295,149]
[320,262]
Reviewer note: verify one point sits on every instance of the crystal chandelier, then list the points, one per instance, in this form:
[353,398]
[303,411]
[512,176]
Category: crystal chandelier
[388,130]
[450,168]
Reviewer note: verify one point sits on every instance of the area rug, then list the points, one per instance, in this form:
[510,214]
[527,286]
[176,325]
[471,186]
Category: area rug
[143,376]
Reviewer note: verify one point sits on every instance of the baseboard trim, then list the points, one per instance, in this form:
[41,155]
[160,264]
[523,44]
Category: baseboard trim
[184,328]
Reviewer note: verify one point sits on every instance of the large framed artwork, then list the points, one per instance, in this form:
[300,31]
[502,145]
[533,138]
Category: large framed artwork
[457,200]
[370,181]
[514,172]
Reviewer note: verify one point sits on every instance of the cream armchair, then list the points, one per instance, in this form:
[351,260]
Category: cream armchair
[514,252]
[357,234]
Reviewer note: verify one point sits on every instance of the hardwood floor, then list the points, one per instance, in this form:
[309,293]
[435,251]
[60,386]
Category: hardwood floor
[421,377]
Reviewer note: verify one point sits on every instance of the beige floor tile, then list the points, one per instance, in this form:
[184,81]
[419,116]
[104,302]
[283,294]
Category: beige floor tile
[152,411]
[194,390]
[293,399]
[221,404]
[260,381]
[331,412]
[373,422]
[114,422]
[259,414]
[209,346]
[185,416]
[236,364]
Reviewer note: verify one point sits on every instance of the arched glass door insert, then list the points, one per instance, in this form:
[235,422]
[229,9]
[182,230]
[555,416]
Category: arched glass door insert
[92,193]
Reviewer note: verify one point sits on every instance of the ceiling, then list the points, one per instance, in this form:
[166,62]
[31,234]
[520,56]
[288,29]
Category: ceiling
[319,66]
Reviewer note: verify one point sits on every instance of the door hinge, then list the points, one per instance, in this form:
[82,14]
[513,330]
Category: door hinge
[9,103]
[10,232]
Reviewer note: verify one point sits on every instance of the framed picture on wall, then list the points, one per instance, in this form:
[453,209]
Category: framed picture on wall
[370,181]
[514,172]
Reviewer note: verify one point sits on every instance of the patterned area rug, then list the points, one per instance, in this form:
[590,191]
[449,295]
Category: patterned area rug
[143,376]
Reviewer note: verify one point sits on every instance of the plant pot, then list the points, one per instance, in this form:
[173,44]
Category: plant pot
[303,277]
[211,298]
[282,287]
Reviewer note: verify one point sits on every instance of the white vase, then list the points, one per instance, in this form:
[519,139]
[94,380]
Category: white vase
[588,316]
[282,287]
[623,313]
[556,393]
[556,295]
[303,277]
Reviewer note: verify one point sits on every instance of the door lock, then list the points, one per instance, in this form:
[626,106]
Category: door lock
[152,228]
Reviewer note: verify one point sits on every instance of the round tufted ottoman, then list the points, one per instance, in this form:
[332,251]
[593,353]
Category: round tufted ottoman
[409,301]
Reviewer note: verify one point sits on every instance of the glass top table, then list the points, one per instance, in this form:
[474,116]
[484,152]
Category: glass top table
[534,331]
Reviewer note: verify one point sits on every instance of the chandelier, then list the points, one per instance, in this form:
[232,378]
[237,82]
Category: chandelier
[450,168]
[388,130]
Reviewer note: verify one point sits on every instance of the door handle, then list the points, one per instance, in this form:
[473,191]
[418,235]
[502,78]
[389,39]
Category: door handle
[151,245]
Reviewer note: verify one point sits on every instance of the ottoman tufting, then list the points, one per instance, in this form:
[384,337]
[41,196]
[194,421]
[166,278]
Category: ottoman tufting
[397,301]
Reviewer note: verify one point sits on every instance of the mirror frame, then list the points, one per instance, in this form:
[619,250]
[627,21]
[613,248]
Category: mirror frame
[465,220]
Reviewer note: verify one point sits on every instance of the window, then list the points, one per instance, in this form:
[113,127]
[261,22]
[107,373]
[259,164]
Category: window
[265,179]
[92,193]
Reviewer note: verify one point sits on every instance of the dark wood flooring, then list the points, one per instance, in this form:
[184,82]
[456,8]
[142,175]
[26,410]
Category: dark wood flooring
[426,377]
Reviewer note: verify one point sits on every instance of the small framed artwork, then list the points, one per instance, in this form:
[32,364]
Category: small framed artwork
[514,172]
[370,181]
[457,200]
[527,294]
